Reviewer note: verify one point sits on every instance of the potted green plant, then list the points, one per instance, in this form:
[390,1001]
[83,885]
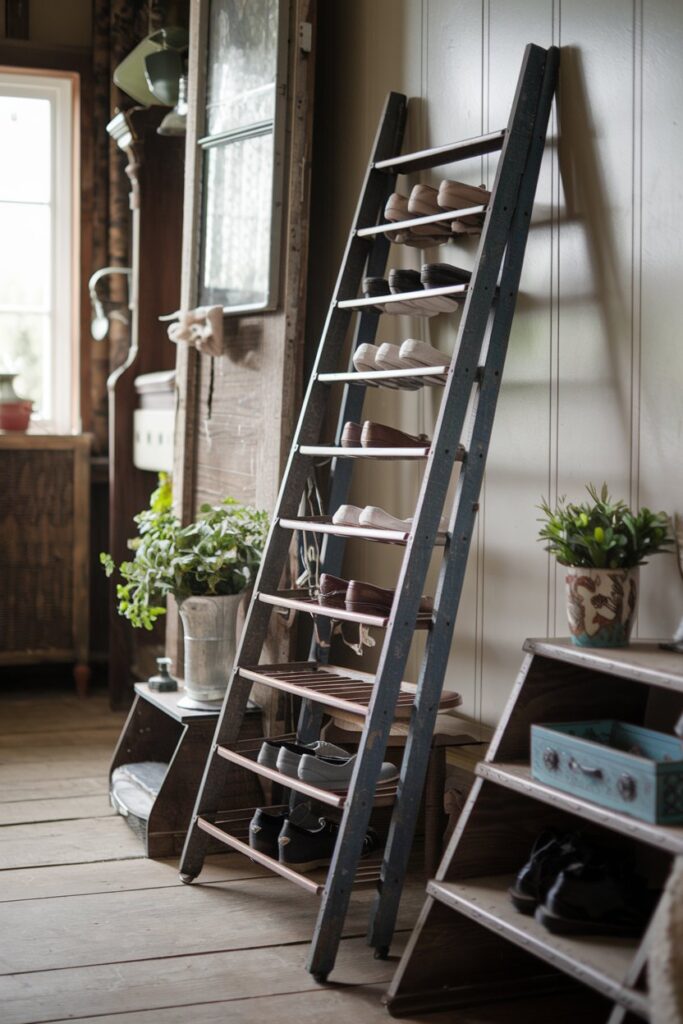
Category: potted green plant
[206,566]
[602,543]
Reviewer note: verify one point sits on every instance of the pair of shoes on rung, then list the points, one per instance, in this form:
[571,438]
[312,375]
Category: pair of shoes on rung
[411,354]
[320,764]
[299,838]
[426,201]
[376,518]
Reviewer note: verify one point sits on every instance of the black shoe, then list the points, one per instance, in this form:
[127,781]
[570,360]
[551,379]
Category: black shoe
[305,849]
[374,287]
[264,828]
[440,275]
[596,899]
[404,281]
[550,853]
[267,824]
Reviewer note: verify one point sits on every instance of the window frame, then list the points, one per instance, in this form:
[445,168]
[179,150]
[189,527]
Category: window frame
[61,361]
[274,127]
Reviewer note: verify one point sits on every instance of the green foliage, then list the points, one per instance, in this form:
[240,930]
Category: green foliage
[217,554]
[602,533]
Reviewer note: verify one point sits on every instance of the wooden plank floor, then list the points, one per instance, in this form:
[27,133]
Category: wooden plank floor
[92,931]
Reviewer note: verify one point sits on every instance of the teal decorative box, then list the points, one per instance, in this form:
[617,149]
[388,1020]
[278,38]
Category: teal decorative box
[624,767]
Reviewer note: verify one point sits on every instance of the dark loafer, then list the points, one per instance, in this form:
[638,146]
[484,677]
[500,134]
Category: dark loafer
[332,590]
[367,598]
[440,275]
[377,435]
[351,435]
[596,899]
[404,281]
[550,853]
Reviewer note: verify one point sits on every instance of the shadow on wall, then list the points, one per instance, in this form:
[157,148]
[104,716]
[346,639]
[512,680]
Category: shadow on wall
[587,202]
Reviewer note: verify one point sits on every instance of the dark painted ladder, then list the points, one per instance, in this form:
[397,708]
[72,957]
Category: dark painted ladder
[462,434]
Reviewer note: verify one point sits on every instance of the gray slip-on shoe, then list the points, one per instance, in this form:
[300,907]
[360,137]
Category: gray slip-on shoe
[290,755]
[335,773]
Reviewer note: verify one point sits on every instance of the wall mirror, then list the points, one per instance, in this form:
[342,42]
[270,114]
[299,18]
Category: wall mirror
[242,154]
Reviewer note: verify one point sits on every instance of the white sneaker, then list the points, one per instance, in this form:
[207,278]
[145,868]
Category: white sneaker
[364,361]
[418,353]
[378,519]
[347,515]
[389,358]
[364,358]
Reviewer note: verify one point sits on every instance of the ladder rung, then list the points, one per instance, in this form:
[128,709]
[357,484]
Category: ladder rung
[433,218]
[324,524]
[385,794]
[337,688]
[309,884]
[477,146]
[299,601]
[414,375]
[331,452]
[457,292]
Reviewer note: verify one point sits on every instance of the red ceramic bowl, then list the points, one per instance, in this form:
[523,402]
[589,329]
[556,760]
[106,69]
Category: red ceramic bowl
[15,415]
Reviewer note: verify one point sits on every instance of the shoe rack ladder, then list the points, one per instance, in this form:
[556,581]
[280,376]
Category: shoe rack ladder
[462,434]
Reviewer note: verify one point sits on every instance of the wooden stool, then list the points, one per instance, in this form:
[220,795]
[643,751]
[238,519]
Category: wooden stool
[451,730]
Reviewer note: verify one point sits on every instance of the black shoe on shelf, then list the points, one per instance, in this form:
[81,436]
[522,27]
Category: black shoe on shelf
[267,824]
[551,852]
[404,281]
[596,899]
[307,848]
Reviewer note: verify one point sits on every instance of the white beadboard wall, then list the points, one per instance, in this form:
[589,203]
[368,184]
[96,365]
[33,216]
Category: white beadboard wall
[592,388]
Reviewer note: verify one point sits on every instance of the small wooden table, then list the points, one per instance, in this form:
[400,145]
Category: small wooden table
[158,730]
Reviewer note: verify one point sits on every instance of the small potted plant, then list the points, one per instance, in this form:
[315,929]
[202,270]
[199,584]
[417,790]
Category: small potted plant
[207,566]
[602,543]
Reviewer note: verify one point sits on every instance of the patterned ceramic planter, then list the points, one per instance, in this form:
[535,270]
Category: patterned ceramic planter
[210,641]
[601,605]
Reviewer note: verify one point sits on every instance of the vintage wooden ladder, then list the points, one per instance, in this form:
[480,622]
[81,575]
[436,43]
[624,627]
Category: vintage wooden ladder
[462,433]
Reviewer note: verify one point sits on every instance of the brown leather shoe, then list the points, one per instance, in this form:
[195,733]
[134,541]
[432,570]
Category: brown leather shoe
[365,597]
[351,435]
[332,590]
[377,435]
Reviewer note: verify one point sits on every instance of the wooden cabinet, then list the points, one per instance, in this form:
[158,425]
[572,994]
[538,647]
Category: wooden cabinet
[44,551]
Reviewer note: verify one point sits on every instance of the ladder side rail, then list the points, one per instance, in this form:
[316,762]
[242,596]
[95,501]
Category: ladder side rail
[398,637]
[311,418]
[452,571]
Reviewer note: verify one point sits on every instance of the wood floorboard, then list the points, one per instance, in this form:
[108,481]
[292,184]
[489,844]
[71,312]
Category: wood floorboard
[56,713]
[93,931]
[66,842]
[123,926]
[22,789]
[181,981]
[117,876]
[64,808]
[19,774]
[356,1003]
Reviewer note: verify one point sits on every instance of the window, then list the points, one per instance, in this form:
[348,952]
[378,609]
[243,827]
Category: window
[39,242]
[243,154]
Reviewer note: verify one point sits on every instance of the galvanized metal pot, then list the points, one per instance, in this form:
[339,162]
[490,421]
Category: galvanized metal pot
[210,634]
[601,605]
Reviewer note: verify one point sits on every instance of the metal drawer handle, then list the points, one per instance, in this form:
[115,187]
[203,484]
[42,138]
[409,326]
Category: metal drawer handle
[592,773]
